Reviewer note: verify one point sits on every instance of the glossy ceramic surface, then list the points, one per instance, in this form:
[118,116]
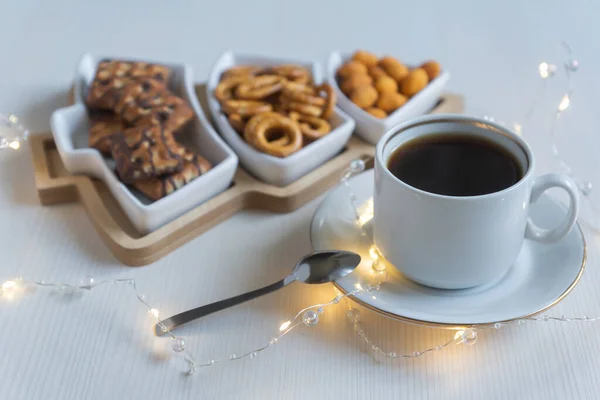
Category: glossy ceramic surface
[452,242]
[542,275]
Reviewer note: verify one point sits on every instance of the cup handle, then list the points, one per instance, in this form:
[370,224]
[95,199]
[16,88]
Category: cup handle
[540,185]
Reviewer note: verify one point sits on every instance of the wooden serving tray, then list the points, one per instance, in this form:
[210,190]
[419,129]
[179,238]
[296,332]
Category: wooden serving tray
[55,185]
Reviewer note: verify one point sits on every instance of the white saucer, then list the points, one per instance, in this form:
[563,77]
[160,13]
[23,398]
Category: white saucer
[541,277]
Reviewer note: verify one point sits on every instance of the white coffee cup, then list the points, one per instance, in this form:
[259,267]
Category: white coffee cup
[452,242]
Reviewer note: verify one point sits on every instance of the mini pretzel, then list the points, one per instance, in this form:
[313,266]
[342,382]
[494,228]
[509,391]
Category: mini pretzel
[302,108]
[237,122]
[258,136]
[276,109]
[300,95]
[245,108]
[225,88]
[253,122]
[259,87]
[291,72]
[331,100]
[301,87]
[241,70]
[312,128]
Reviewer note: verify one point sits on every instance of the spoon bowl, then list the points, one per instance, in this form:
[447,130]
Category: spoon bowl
[325,266]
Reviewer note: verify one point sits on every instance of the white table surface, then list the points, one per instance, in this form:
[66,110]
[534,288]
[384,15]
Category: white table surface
[100,346]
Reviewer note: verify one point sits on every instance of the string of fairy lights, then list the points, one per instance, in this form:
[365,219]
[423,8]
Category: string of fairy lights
[13,134]
[308,316]
[570,66]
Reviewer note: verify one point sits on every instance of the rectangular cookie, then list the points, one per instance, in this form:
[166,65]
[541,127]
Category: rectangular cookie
[157,188]
[144,152]
[104,94]
[154,106]
[137,91]
[103,125]
[112,76]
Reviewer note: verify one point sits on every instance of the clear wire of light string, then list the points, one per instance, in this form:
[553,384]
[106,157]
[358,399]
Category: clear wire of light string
[568,65]
[586,189]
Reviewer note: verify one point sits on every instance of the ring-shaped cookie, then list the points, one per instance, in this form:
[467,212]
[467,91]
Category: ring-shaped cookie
[306,96]
[241,70]
[292,72]
[251,126]
[330,100]
[237,122]
[258,134]
[312,128]
[259,87]
[245,108]
[302,108]
[225,88]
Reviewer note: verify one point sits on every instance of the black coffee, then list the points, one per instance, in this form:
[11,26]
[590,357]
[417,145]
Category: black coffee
[455,165]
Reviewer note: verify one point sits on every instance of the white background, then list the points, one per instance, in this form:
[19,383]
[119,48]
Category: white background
[101,347]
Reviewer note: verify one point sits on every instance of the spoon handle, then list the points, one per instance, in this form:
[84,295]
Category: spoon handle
[195,313]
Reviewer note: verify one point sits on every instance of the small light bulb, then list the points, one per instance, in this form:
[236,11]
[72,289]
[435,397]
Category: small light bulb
[547,70]
[572,65]
[310,318]
[178,344]
[14,145]
[284,326]
[378,266]
[365,212]
[153,312]
[518,129]
[564,103]
[358,286]
[586,188]
[13,118]
[543,70]
[468,337]
[373,252]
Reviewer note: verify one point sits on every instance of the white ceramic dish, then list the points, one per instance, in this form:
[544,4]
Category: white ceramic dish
[542,275]
[370,128]
[70,129]
[270,169]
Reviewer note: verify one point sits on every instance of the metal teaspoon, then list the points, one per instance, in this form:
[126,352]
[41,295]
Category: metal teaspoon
[318,267]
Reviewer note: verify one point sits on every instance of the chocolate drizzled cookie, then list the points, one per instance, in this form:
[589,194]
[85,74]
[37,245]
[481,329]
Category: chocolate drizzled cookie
[144,152]
[112,76]
[133,117]
[145,104]
[103,125]
[159,187]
